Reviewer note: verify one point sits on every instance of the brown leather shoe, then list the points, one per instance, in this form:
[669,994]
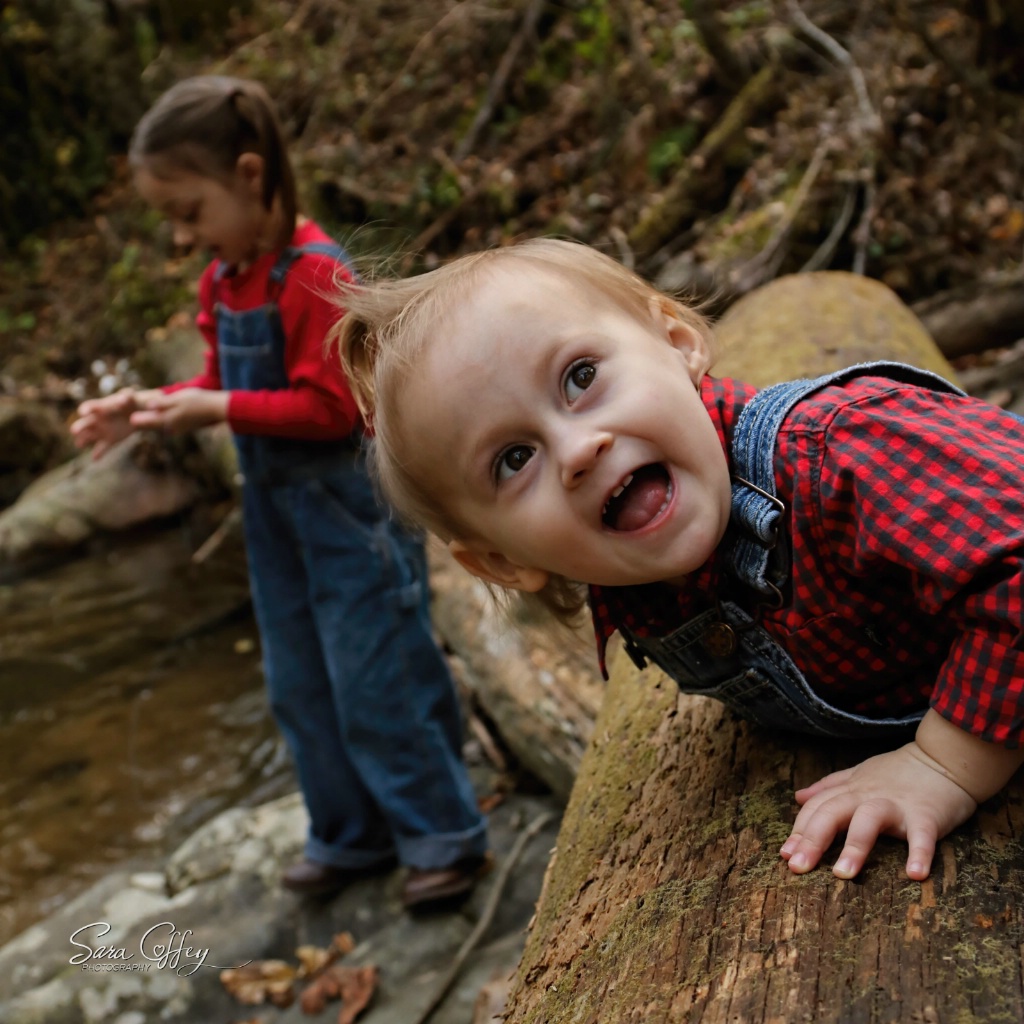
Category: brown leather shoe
[311,878]
[427,887]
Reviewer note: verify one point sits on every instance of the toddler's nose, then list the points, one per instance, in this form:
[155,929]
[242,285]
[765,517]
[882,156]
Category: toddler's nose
[581,455]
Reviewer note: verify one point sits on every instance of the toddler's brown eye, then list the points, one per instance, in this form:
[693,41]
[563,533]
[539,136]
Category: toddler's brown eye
[580,376]
[511,460]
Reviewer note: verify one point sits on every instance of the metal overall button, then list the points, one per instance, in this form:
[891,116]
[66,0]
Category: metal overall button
[719,639]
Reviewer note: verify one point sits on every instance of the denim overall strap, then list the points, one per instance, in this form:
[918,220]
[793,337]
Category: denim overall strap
[292,252]
[251,355]
[755,507]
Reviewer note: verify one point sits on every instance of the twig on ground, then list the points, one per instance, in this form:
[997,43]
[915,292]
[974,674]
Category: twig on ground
[491,749]
[766,263]
[871,121]
[486,916]
[214,541]
[822,256]
[500,79]
[424,43]
[862,233]
[867,128]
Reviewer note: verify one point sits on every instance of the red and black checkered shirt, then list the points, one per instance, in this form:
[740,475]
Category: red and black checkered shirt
[905,512]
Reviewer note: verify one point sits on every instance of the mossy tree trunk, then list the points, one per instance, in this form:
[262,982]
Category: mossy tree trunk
[666,900]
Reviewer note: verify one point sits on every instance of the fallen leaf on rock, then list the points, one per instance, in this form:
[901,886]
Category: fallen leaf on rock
[488,803]
[313,959]
[354,986]
[262,981]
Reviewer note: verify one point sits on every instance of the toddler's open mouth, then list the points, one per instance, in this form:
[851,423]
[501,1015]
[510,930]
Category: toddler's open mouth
[639,499]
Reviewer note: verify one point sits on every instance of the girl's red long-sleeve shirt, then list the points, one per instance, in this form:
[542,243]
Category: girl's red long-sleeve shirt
[317,404]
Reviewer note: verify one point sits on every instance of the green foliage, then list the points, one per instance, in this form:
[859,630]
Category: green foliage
[16,321]
[596,44]
[747,16]
[71,90]
[667,151]
[140,297]
[68,95]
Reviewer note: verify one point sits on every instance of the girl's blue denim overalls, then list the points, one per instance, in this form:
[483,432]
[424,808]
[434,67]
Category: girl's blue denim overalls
[722,652]
[357,686]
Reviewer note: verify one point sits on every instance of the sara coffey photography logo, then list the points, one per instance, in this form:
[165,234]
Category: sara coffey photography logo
[162,947]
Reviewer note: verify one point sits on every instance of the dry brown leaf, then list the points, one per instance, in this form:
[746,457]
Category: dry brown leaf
[259,982]
[489,1007]
[488,803]
[313,959]
[319,992]
[355,987]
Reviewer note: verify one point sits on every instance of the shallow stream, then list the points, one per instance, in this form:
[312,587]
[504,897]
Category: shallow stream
[131,710]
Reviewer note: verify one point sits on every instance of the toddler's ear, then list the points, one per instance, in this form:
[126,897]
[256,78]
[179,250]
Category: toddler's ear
[494,567]
[683,337]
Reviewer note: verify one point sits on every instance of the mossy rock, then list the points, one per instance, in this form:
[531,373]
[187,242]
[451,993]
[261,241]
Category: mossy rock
[804,325]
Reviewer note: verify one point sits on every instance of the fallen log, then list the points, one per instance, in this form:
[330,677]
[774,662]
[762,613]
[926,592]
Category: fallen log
[666,900]
[976,317]
[539,686]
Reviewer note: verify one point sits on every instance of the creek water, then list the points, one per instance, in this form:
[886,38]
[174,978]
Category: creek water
[131,710]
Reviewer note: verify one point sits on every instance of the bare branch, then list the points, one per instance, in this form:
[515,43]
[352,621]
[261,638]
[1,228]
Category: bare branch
[823,254]
[500,79]
[425,42]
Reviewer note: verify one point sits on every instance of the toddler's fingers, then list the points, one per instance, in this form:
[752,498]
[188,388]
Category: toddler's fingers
[823,784]
[82,431]
[921,837]
[815,828]
[869,821]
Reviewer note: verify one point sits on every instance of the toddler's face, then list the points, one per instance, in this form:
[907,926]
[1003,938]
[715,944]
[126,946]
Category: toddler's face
[567,435]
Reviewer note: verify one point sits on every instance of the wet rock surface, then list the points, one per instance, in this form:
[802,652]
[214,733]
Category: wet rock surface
[221,886]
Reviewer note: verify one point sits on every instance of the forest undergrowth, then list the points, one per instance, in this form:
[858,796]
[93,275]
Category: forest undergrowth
[712,146]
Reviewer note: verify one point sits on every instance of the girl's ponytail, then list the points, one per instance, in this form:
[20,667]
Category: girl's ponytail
[253,107]
[204,124]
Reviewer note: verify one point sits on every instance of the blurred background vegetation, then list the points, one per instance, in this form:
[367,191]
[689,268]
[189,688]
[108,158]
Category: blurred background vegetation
[710,145]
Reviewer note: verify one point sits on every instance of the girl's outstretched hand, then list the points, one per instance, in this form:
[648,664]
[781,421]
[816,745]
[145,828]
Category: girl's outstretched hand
[904,793]
[181,411]
[102,422]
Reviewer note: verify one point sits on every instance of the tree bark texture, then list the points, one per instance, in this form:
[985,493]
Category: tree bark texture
[666,899]
[539,685]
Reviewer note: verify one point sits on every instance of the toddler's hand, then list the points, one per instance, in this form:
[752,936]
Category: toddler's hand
[181,411]
[904,793]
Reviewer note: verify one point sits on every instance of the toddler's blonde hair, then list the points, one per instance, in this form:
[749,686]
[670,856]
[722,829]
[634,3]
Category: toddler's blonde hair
[387,324]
